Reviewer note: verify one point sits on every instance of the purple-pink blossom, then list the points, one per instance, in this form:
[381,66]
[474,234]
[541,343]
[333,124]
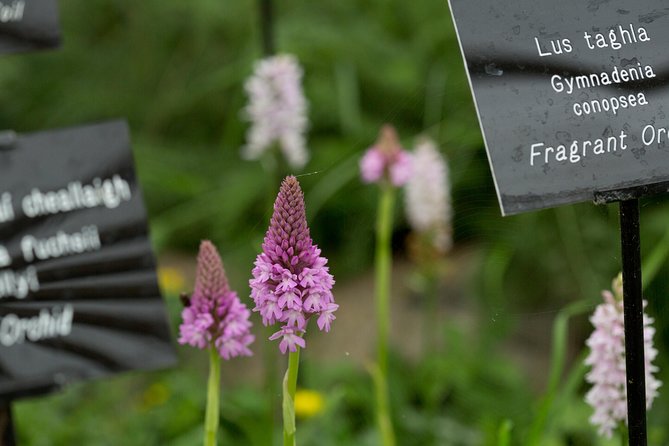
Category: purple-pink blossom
[291,282]
[607,360]
[386,159]
[214,315]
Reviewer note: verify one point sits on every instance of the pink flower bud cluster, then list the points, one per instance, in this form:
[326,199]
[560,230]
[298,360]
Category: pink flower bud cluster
[214,315]
[291,282]
[386,160]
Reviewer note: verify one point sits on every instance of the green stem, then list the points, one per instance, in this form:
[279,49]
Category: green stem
[213,395]
[495,268]
[570,390]
[557,364]
[383,266]
[572,239]
[383,408]
[504,433]
[623,435]
[431,313]
[655,260]
[290,387]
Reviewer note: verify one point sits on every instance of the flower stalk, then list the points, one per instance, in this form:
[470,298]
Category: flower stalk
[213,398]
[289,398]
[622,429]
[430,335]
[383,267]
[390,166]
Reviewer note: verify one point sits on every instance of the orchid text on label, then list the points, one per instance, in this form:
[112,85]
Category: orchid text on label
[48,324]
[109,193]
[18,284]
[575,151]
[572,96]
[12,12]
[632,70]
[60,245]
[615,39]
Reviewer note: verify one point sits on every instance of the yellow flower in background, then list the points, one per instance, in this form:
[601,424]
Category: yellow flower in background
[308,403]
[156,395]
[171,280]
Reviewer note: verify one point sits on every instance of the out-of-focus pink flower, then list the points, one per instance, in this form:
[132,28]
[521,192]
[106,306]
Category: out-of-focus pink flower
[428,196]
[607,360]
[386,160]
[277,110]
[291,282]
[213,315]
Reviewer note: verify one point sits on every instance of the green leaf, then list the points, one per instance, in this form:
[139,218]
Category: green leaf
[288,408]
[504,433]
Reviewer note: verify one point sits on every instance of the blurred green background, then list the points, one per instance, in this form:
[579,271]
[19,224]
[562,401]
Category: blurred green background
[176,70]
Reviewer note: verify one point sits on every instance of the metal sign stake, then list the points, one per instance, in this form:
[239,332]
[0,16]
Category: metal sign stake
[7,437]
[633,309]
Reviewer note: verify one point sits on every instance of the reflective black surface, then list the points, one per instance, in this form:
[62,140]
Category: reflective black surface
[519,106]
[79,296]
[28,25]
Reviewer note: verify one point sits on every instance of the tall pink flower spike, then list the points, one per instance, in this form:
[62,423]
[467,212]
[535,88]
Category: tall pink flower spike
[291,282]
[608,395]
[214,314]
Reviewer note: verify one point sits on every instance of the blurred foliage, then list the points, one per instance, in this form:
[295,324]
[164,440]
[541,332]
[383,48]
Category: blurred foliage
[176,70]
[464,397]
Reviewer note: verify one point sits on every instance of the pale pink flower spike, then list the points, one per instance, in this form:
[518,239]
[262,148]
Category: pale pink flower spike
[608,395]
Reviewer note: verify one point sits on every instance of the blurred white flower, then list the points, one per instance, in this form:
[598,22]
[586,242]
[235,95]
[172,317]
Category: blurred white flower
[277,110]
[607,359]
[428,195]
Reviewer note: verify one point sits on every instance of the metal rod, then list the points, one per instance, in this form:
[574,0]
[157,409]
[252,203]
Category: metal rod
[7,437]
[633,309]
[267,27]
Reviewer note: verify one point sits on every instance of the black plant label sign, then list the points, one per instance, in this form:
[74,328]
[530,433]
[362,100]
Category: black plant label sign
[28,25]
[570,94]
[79,297]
